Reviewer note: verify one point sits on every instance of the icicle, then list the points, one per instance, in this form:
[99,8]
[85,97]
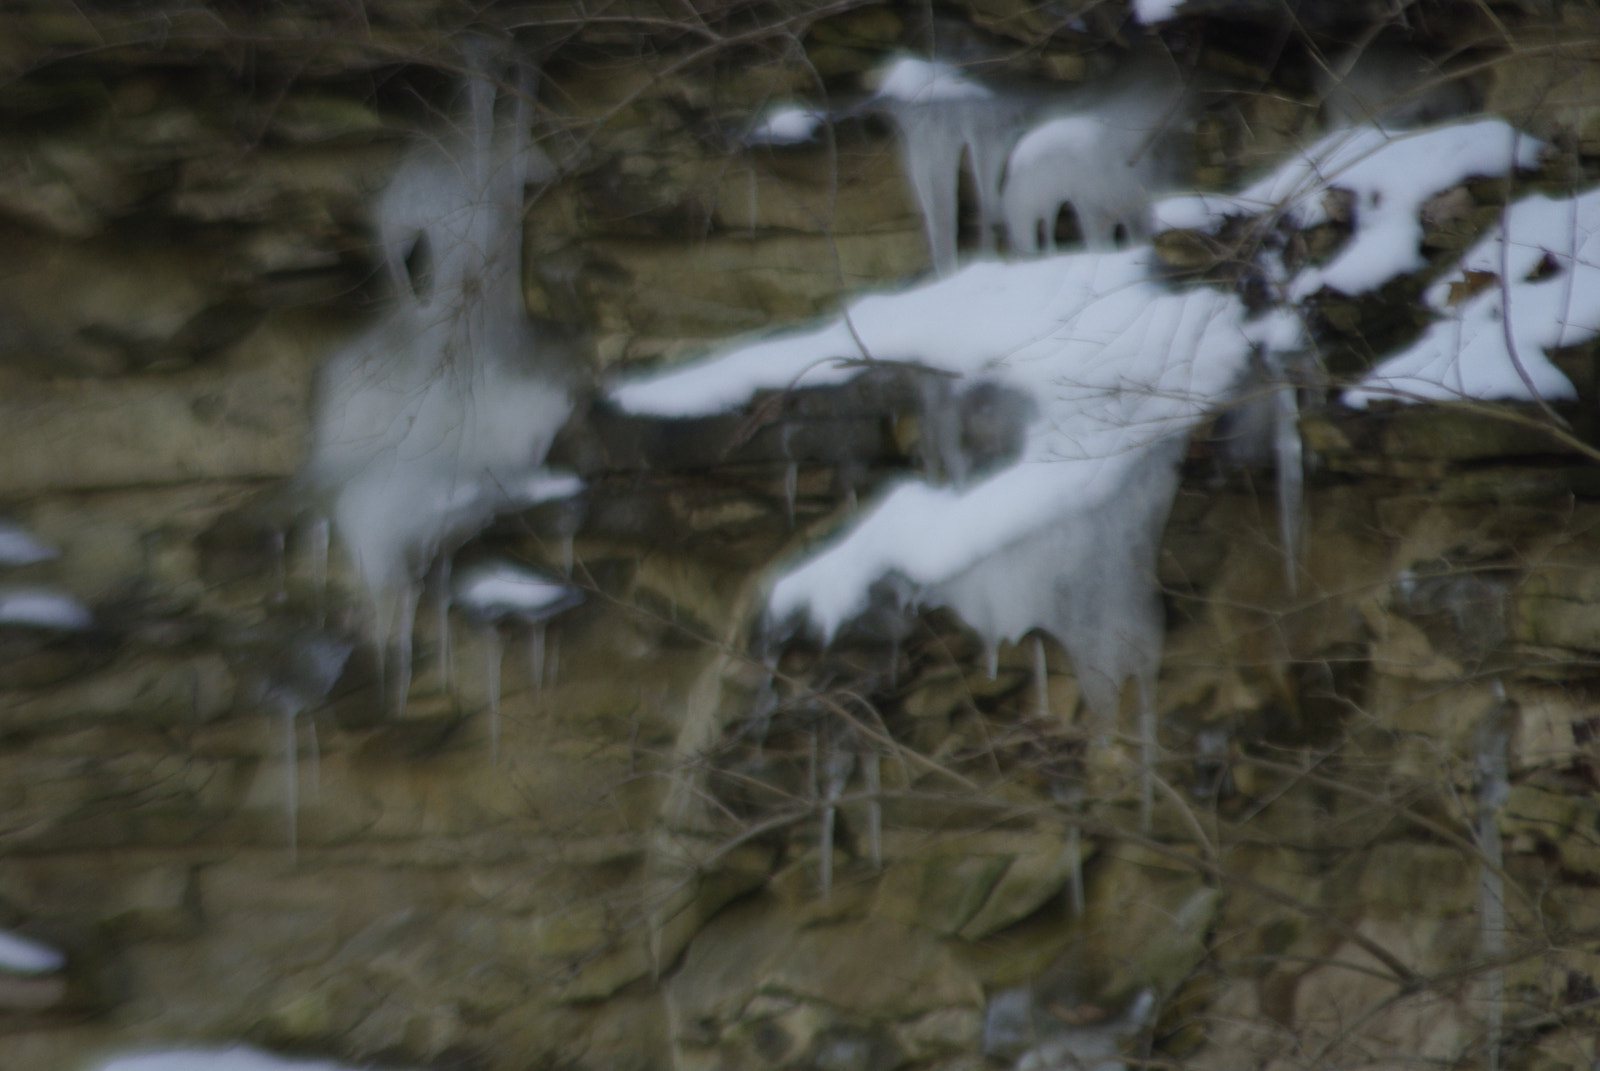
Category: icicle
[988,139]
[316,758]
[1147,750]
[894,658]
[552,669]
[1493,739]
[874,809]
[536,659]
[280,567]
[492,648]
[839,765]
[1291,476]
[826,851]
[406,596]
[791,480]
[932,154]
[1041,680]
[320,535]
[441,611]
[991,657]
[759,721]
[750,187]
[291,787]
[1069,793]
[1075,871]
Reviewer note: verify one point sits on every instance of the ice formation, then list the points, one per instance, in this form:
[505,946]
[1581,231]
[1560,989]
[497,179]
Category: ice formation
[1106,159]
[311,665]
[231,1058]
[1119,368]
[19,955]
[439,416]
[1530,286]
[943,115]
[1390,175]
[495,592]
[1492,742]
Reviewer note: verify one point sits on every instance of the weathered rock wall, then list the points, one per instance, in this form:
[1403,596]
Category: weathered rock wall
[634,880]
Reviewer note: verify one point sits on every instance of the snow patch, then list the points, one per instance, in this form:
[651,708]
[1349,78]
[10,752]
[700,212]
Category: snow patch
[43,608]
[1390,176]
[19,955]
[1528,287]
[1119,368]
[909,80]
[231,1058]
[501,589]
[17,547]
[785,125]
[1152,12]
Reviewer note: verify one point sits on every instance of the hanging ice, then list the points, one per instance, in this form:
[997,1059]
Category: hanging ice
[1389,176]
[1117,148]
[942,115]
[309,666]
[438,417]
[1508,302]
[1119,368]
[496,592]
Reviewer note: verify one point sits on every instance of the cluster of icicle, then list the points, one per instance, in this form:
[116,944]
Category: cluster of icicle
[438,417]
[1105,151]
[1120,368]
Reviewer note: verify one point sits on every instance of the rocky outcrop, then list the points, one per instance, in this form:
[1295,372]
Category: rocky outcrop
[689,850]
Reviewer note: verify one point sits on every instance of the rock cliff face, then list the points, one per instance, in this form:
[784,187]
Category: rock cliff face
[1374,831]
